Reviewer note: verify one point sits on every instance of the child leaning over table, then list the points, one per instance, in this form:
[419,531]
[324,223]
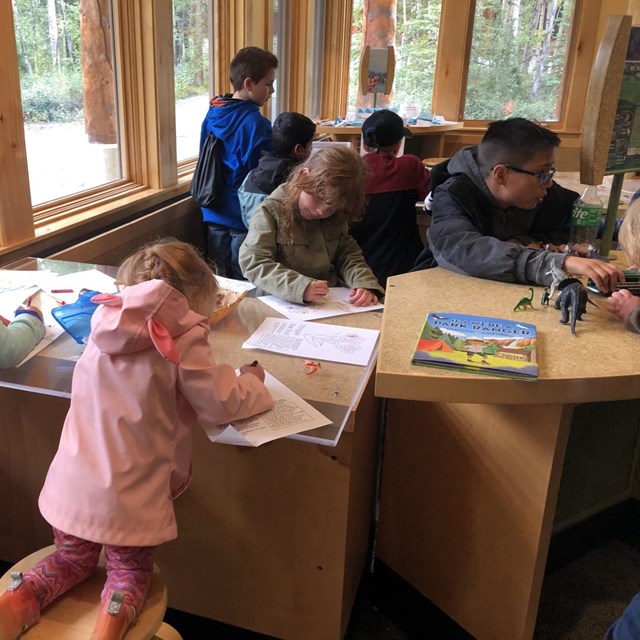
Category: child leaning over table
[146,376]
[623,304]
[20,335]
[298,243]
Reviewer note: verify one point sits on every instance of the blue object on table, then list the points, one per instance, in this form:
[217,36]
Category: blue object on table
[75,318]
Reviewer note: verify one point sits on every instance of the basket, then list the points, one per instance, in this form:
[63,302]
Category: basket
[227,301]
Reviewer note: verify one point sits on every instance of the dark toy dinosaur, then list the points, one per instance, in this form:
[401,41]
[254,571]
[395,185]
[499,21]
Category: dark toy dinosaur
[572,295]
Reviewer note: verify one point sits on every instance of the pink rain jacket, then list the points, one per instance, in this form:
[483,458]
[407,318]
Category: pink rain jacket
[147,374]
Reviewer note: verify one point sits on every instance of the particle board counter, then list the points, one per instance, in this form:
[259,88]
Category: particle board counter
[472,463]
[272,539]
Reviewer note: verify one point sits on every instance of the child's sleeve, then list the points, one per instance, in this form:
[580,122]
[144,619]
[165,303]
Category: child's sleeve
[16,340]
[214,391]
[259,263]
[632,319]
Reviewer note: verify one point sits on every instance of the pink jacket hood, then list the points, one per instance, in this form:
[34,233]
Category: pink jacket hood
[151,313]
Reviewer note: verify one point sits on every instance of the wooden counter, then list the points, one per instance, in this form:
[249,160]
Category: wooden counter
[272,539]
[427,142]
[472,463]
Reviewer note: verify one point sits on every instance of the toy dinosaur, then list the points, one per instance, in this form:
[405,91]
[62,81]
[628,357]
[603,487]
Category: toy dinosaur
[523,303]
[572,295]
[558,276]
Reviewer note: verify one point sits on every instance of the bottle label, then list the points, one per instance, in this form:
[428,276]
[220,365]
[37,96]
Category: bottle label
[584,215]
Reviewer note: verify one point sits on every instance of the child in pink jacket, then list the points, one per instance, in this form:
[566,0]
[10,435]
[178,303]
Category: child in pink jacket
[146,376]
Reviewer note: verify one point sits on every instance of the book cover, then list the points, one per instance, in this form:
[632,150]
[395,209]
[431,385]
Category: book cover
[478,344]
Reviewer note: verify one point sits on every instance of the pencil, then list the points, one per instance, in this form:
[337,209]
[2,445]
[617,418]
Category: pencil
[61,290]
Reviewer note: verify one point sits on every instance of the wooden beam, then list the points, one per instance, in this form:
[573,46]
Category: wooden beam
[16,218]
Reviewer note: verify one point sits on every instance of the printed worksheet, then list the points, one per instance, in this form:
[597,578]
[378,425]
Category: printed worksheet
[314,340]
[290,414]
[335,303]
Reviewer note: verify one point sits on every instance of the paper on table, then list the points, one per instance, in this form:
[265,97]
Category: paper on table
[290,414]
[234,285]
[91,279]
[314,340]
[335,303]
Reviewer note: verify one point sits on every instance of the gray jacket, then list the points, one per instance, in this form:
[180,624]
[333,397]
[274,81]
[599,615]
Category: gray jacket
[469,230]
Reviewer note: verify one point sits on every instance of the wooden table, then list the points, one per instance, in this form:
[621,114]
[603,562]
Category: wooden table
[272,539]
[472,463]
[427,142]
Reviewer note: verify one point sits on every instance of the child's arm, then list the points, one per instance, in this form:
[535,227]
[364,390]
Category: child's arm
[214,391]
[259,263]
[19,337]
[624,305]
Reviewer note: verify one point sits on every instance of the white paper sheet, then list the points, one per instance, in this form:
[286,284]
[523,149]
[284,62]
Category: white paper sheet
[335,303]
[234,285]
[314,340]
[290,414]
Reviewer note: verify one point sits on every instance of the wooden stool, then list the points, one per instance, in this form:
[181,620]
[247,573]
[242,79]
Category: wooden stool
[432,162]
[72,616]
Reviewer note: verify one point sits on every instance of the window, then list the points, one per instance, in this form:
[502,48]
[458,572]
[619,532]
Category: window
[518,56]
[191,73]
[68,86]
[413,29]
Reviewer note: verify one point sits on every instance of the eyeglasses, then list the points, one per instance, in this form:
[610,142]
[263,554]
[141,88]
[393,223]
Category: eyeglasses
[544,177]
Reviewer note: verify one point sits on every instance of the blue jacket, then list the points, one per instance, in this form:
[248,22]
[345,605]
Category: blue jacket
[245,133]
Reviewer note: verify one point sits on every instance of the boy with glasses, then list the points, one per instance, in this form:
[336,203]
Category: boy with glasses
[499,215]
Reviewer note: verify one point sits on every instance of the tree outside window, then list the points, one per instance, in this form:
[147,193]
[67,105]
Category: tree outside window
[191,71]
[412,27]
[518,57]
[67,66]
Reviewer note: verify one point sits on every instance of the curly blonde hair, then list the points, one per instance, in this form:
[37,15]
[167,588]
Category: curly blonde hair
[629,234]
[335,175]
[177,263]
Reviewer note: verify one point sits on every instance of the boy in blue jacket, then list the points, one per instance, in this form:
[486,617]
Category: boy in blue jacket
[236,121]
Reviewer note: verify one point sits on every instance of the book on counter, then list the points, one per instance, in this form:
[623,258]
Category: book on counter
[478,344]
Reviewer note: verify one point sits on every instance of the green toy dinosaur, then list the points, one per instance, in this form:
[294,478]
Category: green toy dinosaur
[525,303]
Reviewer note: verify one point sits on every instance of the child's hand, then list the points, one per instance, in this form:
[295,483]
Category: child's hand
[622,303]
[315,291]
[35,310]
[362,297]
[604,274]
[254,369]
[4,321]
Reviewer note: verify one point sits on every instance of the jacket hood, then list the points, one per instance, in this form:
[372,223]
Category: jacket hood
[225,114]
[145,315]
[270,173]
[466,161]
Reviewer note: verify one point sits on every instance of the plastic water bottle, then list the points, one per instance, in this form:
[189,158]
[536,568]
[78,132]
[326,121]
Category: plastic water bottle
[585,217]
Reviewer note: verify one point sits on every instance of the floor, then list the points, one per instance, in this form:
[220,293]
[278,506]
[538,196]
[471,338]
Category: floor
[593,570]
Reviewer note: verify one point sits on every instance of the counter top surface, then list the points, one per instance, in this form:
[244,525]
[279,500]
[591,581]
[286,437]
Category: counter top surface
[601,362]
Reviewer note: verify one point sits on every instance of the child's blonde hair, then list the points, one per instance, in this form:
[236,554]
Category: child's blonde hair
[629,234]
[179,265]
[335,175]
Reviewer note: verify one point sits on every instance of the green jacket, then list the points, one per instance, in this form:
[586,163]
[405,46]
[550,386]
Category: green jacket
[322,250]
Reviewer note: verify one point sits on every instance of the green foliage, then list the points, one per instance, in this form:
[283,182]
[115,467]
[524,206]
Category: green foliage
[516,63]
[50,69]
[53,97]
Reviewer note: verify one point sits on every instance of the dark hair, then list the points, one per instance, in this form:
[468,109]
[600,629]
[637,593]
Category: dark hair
[289,129]
[513,141]
[253,63]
